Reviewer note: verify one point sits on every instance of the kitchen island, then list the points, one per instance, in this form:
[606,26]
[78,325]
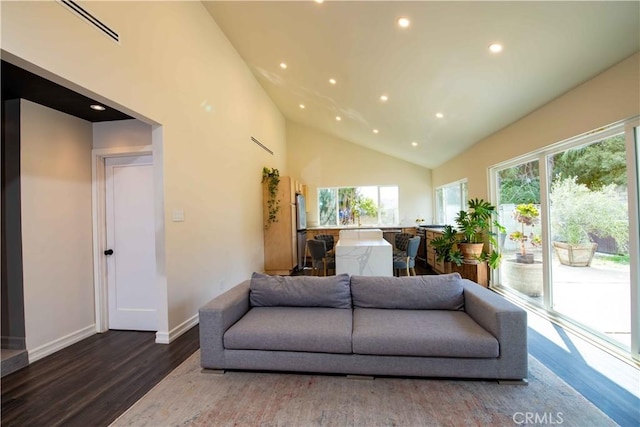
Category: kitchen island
[364,252]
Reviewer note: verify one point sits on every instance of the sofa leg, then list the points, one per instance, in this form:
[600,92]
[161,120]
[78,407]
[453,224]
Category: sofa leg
[523,381]
[212,371]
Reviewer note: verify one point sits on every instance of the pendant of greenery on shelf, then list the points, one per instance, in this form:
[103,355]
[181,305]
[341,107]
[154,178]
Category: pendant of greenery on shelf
[272,178]
[476,224]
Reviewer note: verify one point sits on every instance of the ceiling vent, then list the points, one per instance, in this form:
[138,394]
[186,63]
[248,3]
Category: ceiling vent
[261,145]
[87,17]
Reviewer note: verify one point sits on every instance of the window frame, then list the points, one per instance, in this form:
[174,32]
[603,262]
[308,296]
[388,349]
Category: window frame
[337,201]
[440,213]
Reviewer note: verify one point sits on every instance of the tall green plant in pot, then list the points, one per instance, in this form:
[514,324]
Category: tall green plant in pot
[476,225]
[445,246]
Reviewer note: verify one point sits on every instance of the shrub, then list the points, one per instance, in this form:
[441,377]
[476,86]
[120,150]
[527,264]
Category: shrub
[577,211]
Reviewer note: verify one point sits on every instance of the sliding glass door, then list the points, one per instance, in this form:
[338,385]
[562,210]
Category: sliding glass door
[589,230]
[571,241]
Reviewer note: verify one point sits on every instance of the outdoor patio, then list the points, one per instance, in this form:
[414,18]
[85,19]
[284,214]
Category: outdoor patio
[597,296]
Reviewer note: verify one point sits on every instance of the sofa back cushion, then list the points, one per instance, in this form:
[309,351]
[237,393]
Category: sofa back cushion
[443,292]
[300,291]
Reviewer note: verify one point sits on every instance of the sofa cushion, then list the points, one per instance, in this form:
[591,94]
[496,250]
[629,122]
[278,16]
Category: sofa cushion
[443,292]
[436,333]
[300,291]
[312,329]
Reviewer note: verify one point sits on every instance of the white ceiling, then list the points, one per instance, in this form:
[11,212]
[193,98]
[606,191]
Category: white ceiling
[440,63]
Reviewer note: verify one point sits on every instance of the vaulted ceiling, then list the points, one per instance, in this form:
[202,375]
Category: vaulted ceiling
[439,65]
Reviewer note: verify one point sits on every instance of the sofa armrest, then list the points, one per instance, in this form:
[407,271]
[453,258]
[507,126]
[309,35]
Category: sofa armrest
[504,320]
[215,318]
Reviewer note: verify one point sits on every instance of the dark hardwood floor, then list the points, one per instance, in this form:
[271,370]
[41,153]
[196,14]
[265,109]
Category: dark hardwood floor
[94,381]
[91,382]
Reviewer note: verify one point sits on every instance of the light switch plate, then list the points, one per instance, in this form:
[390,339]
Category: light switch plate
[178,215]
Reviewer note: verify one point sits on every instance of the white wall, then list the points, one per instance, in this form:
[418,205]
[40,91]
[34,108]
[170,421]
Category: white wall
[173,67]
[56,228]
[609,97]
[320,160]
[121,133]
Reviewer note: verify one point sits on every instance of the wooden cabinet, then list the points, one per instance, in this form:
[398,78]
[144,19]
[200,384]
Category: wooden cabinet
[431,253]
[422,249]
[478,273]
[280,242]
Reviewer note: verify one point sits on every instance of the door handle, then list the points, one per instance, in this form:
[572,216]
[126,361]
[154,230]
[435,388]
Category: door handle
[108,252]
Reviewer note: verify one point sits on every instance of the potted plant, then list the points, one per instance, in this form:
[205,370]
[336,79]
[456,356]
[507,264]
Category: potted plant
[445,246]
[523,273]
[475,226]
[578,212]
[526,214]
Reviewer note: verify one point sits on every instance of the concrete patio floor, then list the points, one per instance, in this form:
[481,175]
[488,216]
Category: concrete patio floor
[597,296]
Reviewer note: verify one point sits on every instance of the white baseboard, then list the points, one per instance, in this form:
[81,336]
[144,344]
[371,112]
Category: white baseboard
[167,337]
[65,341]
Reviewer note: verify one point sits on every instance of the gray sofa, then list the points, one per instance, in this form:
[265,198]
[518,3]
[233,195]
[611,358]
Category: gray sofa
[428,326]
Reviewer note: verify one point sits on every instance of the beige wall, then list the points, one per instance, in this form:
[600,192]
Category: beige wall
[320,160]
[56,228]
[612,96]
[121,133]
[173,67]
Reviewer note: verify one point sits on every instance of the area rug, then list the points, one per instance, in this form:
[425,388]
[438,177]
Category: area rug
[188,397]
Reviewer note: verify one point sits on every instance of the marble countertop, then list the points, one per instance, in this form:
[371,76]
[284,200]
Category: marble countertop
[354,227]
[367,243]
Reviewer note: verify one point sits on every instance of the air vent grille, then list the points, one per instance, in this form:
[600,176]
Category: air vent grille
[87,17]
[264,147]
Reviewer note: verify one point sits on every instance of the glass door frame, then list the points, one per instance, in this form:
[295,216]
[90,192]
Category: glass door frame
[631,129]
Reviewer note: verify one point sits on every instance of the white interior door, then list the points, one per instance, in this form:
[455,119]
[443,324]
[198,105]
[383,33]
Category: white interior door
[131,266]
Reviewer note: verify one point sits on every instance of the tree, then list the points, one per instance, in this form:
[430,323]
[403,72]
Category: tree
[520,184]
[577,211]
[353,205]
[327,202]
[595,165]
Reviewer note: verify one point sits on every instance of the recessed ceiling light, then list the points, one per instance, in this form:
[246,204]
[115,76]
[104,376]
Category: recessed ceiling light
[283,65]
[338,118]
[332,81]
[495,47]
[319,1]
[376,131]
[439,115]
[97,107]
[302,106]
[415,144]
[403,22]
[384,98]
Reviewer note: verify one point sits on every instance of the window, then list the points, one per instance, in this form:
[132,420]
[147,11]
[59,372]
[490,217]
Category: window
[450,199]
[370,205]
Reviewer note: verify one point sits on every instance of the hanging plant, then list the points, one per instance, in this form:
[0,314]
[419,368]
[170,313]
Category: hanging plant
[272,178]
